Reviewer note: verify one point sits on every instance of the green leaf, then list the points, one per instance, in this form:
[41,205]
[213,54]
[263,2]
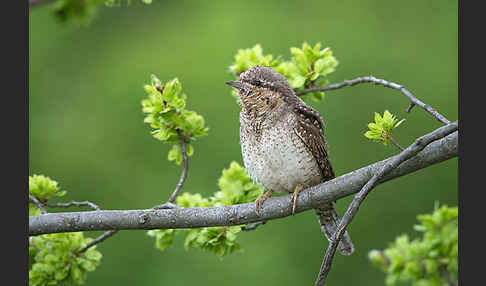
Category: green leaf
[165,109]
[175,154]
[163,237]
[419,261]
[56,259]
[297,81]
[307,66]
[61,275]
[92,254]
[43,188]
[398,123]
[189,149]
[381,129]
[236,187]
[246,58]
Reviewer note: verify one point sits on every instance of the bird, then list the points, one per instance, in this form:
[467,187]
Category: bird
[283,144]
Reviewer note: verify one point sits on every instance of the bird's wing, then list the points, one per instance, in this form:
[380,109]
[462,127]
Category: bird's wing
[309,128]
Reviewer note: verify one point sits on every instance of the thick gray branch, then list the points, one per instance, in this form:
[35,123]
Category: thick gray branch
[274,208]
[408,153]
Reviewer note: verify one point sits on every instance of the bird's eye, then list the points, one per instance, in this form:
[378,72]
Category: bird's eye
[258,83]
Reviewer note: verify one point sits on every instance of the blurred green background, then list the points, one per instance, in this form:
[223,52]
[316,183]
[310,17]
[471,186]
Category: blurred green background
[87,132]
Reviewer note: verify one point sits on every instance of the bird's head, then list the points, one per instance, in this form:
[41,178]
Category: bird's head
[261,87]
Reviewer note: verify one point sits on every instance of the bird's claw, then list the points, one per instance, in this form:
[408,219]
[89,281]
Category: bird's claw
[293,198]
[261,199]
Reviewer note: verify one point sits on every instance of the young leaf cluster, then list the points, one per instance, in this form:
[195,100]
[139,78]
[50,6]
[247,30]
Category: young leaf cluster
[307,67]
[42,188]
[427,261]
[54,259]
[246,58]
[235,187]
[381,129]
[171,122]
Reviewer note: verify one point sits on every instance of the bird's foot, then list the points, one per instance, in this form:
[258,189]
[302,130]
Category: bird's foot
[293,198]
[261,199]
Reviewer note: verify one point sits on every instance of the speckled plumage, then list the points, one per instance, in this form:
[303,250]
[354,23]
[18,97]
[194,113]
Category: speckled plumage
[282,140]
[274,153]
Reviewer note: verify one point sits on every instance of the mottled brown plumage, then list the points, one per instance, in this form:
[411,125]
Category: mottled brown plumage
[282,142]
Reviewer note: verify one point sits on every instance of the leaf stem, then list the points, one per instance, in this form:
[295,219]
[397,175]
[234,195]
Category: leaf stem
[395,143]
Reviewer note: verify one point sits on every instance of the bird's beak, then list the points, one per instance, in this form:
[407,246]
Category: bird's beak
[235,84]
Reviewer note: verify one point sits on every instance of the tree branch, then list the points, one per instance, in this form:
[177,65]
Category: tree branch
[413,101]
[253,226]
[408,153]
[93,206]
[274,208]
[99,239]
[77,204]
[184,171]
[37,203]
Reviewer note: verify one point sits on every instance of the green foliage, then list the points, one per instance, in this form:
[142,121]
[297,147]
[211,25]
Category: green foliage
[246,58]
[219,240]
[42,188]
[81,12]
[163,237]
[188,200]
[307,67]
[78,11]
[381,129]
[55,259]
[236,187]
[166,112]
[430,260]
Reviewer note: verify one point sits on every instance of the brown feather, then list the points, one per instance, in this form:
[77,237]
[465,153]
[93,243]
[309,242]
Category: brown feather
[310,130]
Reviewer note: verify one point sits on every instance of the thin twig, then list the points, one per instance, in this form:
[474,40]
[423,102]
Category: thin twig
[37,203]
[413,100]
[169,204]
[253,226]
[96,208]
[99,239]
[411,151]
[184,171]
[77,204]
[396,143]
[241,214]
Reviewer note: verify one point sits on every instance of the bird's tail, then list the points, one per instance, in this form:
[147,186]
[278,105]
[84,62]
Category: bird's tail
[329,221]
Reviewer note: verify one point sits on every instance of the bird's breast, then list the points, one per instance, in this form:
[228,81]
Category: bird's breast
[276,157]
